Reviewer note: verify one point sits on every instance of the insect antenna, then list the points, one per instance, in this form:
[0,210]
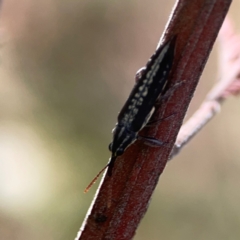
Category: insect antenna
[110,167]
[95,179]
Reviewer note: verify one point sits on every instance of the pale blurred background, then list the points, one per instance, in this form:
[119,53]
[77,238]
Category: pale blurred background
[66,69]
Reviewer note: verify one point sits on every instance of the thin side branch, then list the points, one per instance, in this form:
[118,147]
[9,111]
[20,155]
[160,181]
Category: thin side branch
[228,85]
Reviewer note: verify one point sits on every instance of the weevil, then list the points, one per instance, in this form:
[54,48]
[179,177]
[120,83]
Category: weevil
[150,84]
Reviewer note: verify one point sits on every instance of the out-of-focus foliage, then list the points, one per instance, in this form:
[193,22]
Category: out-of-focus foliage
[66,69]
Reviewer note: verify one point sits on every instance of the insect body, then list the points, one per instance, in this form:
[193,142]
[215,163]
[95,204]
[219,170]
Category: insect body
[151,83]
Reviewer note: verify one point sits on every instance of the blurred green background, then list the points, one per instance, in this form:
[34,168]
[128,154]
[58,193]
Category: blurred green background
[66,69]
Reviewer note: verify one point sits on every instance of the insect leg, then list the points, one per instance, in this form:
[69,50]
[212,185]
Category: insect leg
[152,123]
[163,97]
[152,142]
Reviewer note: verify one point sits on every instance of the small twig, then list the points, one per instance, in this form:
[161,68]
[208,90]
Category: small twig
[228,85]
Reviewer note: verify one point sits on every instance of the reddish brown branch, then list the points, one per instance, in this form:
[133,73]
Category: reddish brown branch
[228,85]
[122,199]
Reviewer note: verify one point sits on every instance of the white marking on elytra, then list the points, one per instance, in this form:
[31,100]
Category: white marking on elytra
[150,81]
[140,101]
[145,81]
[144,94]
[148,74]
[135,111]
[133,101]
